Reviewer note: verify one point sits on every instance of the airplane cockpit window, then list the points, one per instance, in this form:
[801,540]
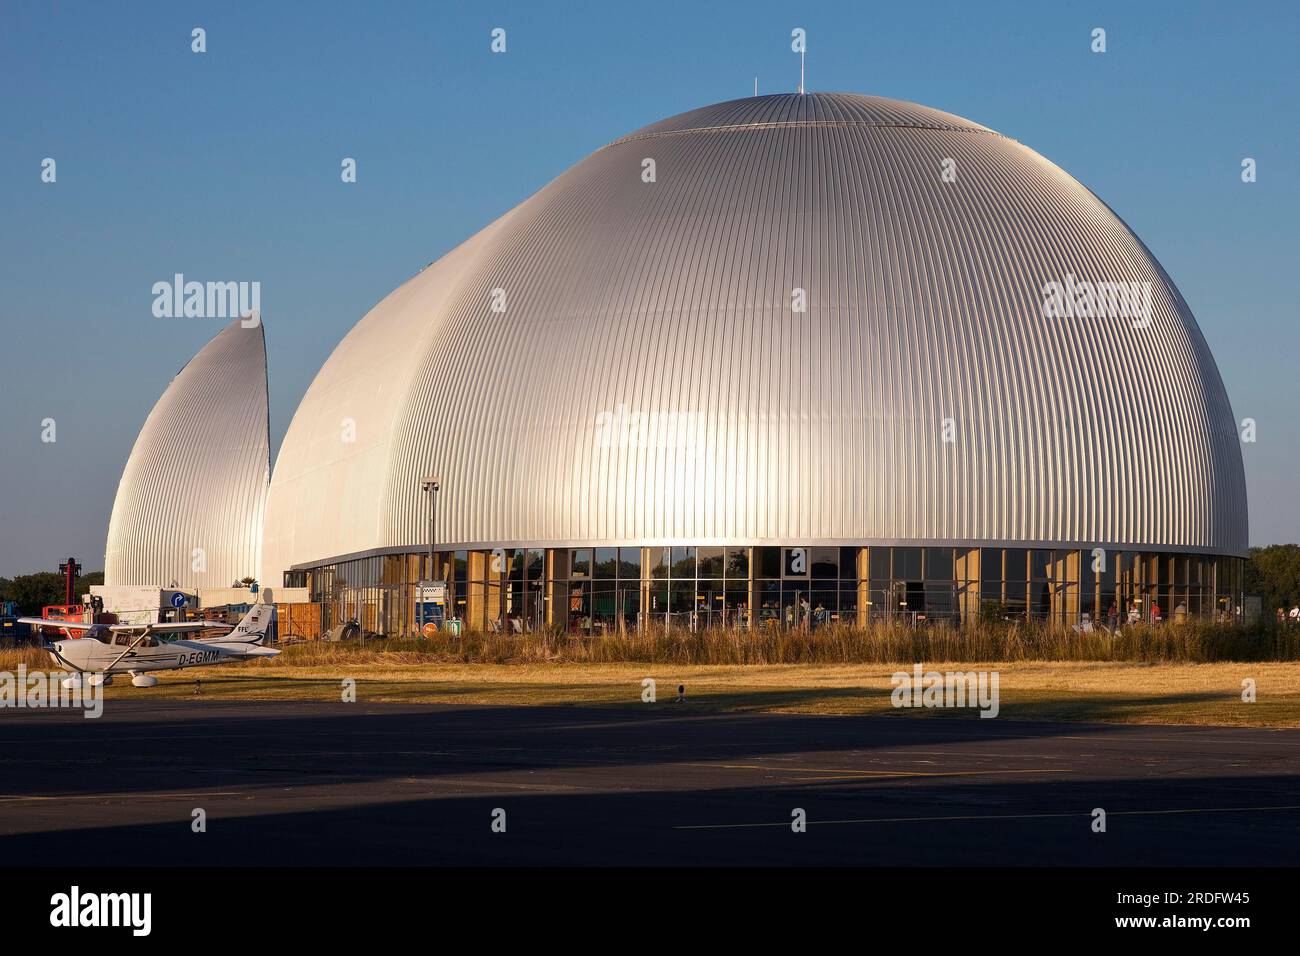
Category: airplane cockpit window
[100,632]
[127,639]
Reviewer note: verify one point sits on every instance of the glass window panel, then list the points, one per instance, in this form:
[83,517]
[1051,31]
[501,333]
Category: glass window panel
[907,564]
[1040,564]
[629,563]
[824,606]
[848,605]
[825,563]
[710,598]
[659,598]
[604,607]
[991,564]
[629,605]
[878,563]
[940,601]
[794,603]
[938,564]
[711,561]
[580,563]
[769,600]
[990,591]
[660,558]
[514,599]
[579,607]
[606,563]
[1087,586]
[878,599]
[708,588]
[683,563]
[515,564]
[1040,599]
[738,564]
[737,596]
[1017,565]
[848,564]
[536,563]
[1014,599]
[682,596]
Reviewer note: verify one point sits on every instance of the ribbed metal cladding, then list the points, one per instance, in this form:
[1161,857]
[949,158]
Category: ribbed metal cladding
[191,502]
[673,300]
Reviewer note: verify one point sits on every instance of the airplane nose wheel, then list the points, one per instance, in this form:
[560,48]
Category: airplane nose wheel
[72,682]
[143,680]
[99,680]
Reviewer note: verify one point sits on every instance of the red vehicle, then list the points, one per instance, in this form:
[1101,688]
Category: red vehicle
[75,613]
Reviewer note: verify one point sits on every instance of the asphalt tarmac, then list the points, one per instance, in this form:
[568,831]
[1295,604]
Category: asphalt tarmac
[296,783]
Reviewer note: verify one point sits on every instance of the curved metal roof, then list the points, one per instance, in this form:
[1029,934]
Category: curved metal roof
[669,305]
[192,498]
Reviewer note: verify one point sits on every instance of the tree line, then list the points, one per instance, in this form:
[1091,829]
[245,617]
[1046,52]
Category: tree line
[31,592]
[1274,572]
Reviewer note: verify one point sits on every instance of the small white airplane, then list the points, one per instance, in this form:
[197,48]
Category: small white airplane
[107,649]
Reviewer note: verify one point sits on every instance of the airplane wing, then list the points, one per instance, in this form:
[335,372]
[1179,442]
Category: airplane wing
[47,622]
[179,627]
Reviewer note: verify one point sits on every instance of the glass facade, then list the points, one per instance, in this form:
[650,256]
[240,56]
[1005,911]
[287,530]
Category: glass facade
[591,590]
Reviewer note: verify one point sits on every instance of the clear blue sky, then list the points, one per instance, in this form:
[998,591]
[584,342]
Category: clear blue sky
[226,166]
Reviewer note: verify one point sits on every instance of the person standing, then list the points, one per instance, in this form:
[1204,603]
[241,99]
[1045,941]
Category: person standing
[1112,617]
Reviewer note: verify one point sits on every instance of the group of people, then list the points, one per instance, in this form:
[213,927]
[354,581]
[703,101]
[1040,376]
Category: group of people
[803,614]
[1135,615]
[1291,617]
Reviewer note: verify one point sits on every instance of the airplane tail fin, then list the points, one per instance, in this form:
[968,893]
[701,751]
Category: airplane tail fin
[252,627]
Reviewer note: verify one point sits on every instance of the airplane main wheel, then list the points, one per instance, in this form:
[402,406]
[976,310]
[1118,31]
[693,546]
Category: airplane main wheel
[72,682]
[99,680]
[143,680]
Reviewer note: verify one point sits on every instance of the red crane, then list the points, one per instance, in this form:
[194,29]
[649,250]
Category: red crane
[69,610]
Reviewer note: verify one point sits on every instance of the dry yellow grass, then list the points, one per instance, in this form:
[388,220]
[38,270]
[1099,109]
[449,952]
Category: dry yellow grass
[1192,641]
[1176,674]
[1100,691]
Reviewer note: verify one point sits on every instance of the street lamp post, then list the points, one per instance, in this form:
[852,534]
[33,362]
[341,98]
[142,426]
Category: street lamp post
[430,487]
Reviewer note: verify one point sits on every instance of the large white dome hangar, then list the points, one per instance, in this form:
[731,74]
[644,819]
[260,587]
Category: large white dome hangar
[821,350]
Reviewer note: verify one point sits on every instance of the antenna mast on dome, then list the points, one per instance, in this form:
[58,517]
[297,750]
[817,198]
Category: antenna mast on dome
[799,44]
